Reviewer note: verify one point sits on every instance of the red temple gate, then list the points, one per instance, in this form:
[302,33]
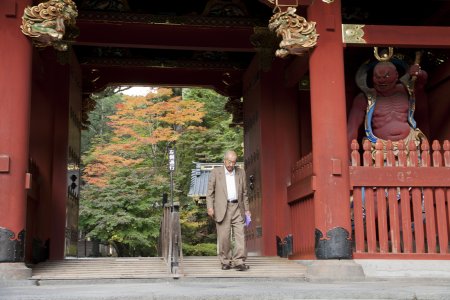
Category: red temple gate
[294,119]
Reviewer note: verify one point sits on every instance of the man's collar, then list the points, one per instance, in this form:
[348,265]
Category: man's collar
[230,173]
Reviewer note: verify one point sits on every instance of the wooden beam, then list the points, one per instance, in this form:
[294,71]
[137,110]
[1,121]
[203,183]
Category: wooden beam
[399,177]
[301,189]
[180,77]
[164,36]
[405,36]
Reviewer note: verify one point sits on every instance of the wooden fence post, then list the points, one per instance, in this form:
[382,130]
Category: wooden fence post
[417,202]
[381,202]
[405,203]
[369,202]
[430,221]
[393,202]
[357,202]
[439,193]
[447,165]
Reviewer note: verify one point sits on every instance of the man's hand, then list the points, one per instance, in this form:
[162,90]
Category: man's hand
[248,218]
[210,212]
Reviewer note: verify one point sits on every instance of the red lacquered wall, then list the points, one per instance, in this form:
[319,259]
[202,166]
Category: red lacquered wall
[15,88]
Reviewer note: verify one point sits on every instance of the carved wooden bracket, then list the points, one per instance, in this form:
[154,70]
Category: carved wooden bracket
[50,23]
[298,35]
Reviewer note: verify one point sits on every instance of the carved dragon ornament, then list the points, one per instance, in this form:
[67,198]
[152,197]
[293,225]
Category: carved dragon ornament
[298,35]
[46,23]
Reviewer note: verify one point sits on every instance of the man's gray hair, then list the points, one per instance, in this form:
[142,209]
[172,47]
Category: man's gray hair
[228,152]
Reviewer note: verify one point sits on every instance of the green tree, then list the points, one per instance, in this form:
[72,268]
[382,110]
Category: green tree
[98,118]
[126,212]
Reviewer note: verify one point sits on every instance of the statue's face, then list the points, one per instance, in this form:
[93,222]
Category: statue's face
[385,76]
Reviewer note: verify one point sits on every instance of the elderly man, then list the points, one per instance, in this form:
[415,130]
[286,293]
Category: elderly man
[227,204]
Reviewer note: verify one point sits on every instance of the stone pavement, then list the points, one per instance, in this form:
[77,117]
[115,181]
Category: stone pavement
[228,288]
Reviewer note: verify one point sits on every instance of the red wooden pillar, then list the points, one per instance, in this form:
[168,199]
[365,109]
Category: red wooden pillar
[15,87]
[329,135]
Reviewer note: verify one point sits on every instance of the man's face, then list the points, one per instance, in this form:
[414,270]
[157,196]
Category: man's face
[230,162]
[385,77]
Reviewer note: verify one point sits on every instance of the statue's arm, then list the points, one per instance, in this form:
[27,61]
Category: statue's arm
[418,79]
[421,77]
[356,117]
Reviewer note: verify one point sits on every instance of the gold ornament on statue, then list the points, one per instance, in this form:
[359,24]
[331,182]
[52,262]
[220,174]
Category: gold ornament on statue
[384,56]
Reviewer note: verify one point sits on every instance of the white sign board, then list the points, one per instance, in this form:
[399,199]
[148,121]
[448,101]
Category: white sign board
[171,160]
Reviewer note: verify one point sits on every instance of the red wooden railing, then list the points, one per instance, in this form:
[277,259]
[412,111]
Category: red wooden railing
[302,179]
[301,200]
[401,201]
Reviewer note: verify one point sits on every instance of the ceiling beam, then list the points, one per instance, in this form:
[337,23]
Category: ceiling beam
[226,82]
[164,36]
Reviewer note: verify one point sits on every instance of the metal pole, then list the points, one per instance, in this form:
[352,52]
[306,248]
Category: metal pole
[171,190]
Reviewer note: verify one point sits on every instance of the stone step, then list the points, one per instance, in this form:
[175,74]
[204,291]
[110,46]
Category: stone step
[104,268]
[259,267]
[156,267]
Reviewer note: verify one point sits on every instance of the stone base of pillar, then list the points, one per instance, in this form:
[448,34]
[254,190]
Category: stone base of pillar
[14,271]
[334,270]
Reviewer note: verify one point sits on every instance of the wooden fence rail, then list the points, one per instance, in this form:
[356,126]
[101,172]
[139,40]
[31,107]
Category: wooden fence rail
[401,200]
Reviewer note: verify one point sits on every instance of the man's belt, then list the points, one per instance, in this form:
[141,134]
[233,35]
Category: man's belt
[233,201]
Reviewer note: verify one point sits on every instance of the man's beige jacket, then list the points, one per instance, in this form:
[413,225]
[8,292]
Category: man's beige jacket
[216,196]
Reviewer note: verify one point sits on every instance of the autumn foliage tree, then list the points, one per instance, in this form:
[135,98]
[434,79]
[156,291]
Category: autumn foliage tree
[125,173]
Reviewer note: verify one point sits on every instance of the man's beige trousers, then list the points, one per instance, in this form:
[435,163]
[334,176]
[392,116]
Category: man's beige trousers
[232,220]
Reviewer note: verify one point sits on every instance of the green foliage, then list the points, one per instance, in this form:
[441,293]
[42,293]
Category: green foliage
[203,249]
[98,118]
[127,212]
[196,226]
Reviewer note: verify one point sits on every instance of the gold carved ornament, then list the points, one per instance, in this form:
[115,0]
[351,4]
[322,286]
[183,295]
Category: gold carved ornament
[46,23]
[298,35]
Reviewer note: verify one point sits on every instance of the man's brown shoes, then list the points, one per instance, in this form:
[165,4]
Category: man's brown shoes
[226,267]
[242,267]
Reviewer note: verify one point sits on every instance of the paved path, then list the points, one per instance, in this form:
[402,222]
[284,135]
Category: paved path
[228,288]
